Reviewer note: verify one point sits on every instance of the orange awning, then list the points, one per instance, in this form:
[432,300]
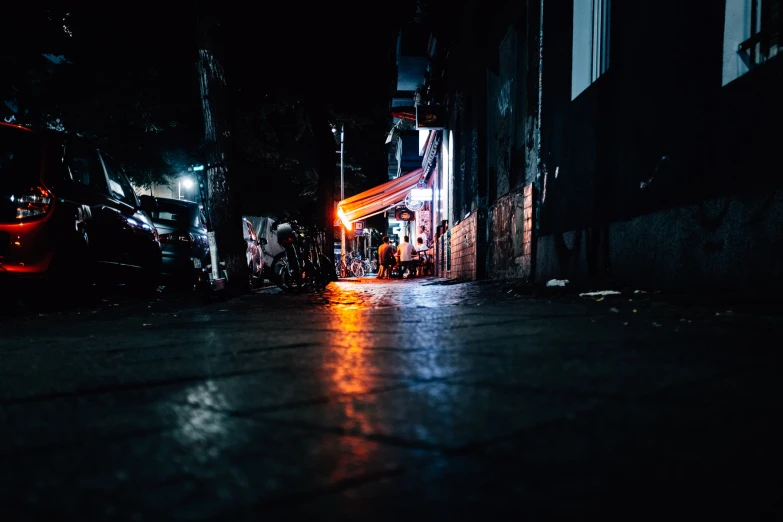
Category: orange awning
[378,199]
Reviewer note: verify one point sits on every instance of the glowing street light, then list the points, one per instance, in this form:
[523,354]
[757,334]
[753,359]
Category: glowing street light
[187,183]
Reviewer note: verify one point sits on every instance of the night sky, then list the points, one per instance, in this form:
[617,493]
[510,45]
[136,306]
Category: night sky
[341,51]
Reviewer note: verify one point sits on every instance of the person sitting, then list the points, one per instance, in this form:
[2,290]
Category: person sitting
[385,258]
[405,251]
[421,254]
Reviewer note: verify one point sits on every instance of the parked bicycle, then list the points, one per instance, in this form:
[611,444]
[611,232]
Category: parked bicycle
[370,267]
[303,265]
[356,267]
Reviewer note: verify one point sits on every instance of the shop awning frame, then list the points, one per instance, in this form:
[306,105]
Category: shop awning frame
[378,199]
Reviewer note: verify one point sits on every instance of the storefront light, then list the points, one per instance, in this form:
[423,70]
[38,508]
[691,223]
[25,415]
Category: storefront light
[421,194]
[346,223]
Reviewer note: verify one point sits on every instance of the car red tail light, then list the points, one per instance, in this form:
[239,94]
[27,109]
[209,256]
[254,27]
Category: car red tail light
[33,202]
[178,239]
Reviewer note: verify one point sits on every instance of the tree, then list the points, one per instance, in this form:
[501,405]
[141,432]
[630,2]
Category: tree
[223,205]
[64,77]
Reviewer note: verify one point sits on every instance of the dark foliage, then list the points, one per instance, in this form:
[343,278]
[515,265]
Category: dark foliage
[126,75]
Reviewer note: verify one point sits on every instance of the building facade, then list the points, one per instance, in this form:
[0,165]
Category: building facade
[622,143]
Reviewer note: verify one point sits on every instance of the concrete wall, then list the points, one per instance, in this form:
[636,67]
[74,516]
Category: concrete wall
[657,173]
[727,243]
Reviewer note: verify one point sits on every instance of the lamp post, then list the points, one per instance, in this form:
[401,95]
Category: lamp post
[342,185]
[342,181]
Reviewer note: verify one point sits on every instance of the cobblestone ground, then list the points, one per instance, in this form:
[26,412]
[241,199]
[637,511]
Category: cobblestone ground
[391,400]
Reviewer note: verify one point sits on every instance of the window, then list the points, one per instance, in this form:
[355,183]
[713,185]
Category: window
[79,169]
[119,187]
[590,58]
[174,214]
[84,167]
[751,35]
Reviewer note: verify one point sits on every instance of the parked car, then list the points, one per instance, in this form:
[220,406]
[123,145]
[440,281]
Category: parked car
[68,214]
[182,232]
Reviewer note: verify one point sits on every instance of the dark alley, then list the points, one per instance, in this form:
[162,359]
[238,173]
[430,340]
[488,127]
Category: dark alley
[390,398]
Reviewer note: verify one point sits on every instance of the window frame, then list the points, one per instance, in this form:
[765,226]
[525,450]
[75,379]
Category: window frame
[111,164]
[598,36]
[752,31]
[97,174]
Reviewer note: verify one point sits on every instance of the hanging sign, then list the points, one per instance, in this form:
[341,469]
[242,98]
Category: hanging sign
[404,215]
[430,117]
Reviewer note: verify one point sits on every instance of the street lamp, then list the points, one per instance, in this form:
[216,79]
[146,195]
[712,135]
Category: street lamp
[186,182]
[342,183]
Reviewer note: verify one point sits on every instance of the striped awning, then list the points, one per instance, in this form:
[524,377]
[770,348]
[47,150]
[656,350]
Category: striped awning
[378,199]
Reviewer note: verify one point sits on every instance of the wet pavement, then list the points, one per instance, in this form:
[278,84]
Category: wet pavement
[386,400]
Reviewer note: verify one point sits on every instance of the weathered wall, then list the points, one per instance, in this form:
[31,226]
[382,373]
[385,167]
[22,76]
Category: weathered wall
[463,249]
[631,169]
[726,243]
[511,233]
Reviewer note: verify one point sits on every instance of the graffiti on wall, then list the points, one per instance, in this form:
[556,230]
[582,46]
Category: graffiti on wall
[511,236]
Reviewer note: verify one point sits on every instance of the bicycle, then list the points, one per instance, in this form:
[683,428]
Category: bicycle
[356,267]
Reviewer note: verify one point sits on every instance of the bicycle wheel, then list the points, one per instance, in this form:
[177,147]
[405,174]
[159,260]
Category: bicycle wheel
[358,270]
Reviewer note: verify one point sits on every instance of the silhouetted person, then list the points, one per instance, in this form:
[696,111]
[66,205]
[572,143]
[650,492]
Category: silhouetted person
[385,258]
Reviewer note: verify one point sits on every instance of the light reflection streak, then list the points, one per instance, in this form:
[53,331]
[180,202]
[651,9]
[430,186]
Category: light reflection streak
[348,366]
[201,426]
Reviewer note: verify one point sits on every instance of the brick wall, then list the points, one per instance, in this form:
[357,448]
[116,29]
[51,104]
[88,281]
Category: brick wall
[463,249]
[527,232]
[511,234]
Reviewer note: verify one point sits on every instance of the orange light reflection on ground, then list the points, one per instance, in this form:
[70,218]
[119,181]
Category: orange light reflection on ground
[348,366]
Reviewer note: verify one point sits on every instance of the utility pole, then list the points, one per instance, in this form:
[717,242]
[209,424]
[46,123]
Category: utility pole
[342,188]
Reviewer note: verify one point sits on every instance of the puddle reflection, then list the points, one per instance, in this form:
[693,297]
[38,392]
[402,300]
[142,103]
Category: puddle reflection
[348,365]
[201,426]
[370,293]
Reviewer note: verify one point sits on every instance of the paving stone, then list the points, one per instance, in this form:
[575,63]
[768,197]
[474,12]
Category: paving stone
[391,400]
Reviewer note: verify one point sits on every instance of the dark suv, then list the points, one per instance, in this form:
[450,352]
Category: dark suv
[182,231]
[68,213]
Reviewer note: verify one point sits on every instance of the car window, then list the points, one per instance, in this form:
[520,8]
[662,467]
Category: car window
[175,214]
[119,187]
[84,167]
